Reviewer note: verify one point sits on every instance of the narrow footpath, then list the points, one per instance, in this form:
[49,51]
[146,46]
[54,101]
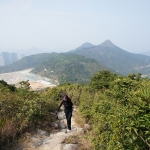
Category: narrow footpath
[43,140]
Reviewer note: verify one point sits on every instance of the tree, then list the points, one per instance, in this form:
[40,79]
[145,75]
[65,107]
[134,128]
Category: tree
[102,79]
[135,77]
[25,85]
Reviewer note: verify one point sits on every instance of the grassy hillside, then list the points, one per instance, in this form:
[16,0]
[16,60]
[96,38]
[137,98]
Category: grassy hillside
[115,58]
[27,62]
[69,68]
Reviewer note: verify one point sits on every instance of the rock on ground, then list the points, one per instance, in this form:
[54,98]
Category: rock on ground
[43,140]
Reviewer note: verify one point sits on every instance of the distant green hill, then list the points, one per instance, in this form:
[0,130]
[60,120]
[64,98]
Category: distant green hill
[27,62]
[114,57]
[69,68]
[60,67]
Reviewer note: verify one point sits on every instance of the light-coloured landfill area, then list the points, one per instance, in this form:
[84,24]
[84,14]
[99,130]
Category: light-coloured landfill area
[36,82]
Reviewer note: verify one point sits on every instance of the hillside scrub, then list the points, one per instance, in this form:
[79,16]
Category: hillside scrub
[20,110]
[118,112]
[117,108]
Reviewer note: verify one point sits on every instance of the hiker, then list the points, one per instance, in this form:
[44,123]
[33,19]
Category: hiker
[68,105]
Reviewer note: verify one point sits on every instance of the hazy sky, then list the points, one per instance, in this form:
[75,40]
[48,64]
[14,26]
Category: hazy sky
[63,25]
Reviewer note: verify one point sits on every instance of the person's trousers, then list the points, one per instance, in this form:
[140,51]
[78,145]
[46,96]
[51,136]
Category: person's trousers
[68,117]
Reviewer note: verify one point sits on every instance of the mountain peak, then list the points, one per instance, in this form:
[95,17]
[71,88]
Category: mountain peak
[85,45]
[107,43]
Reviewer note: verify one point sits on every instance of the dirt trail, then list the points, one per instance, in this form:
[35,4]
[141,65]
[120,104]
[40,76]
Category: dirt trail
[43,140]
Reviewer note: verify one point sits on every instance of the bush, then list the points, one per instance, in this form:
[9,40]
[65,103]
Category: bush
[21,110]
[102,79]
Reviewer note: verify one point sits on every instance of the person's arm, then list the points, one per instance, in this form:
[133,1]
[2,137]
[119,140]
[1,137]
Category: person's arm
[59,106]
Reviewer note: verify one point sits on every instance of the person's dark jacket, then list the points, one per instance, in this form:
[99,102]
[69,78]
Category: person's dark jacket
[67,105]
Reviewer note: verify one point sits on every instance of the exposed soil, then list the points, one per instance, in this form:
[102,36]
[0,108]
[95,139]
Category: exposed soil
[36,82]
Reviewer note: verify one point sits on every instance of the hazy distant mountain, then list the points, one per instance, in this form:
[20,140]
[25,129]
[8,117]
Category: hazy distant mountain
[115,58]
[107,54]
[31,51]
[85,45]
[108,43]
[147,53]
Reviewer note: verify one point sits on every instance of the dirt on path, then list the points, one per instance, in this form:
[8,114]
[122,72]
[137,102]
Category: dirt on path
[43,140]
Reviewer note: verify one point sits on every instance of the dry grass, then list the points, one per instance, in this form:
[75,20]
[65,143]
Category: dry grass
[83,141]
[9,130]
[14,132]
[85,144]
[80,121]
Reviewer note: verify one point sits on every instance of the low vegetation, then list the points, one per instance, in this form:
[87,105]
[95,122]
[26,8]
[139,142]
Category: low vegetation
[21,109]
[117,108]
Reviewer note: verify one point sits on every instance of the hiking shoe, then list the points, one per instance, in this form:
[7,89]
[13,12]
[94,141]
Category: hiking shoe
[68,131]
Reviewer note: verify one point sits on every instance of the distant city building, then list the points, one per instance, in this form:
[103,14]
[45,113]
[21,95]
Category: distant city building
[1,60]
[7,58]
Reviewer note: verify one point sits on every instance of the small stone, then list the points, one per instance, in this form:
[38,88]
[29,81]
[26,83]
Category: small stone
[87,127]
[41,132]
[54,125]
[80,131]
[64,130]
[61,116]
[70,147]
[62,126]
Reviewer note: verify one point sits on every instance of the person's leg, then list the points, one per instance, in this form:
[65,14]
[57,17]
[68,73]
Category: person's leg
[69,120]
[68,117]
[66,113]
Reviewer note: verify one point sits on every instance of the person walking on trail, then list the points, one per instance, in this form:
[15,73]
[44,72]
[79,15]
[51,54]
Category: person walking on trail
[68,108]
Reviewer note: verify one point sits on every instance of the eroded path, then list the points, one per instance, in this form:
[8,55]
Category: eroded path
[43,140]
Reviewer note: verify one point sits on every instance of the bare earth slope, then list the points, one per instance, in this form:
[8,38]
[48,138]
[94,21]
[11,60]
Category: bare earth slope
[36,82]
